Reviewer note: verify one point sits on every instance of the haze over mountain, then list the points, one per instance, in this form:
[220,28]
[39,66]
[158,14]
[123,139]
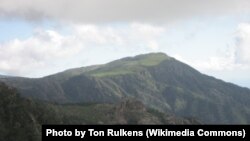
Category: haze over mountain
[157,80]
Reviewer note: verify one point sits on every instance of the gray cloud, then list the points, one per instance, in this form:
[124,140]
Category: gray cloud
[93,11]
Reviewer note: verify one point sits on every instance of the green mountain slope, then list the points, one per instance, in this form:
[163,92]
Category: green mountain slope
[157,80]
[21,119]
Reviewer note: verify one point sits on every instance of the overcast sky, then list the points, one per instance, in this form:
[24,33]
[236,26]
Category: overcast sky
[41,37]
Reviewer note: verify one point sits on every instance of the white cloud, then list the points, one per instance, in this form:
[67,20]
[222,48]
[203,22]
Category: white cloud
[49,51]
[42,50]
[242,52]
[98,34]
[220,63]
[153,45]
[146,30]
[235,58]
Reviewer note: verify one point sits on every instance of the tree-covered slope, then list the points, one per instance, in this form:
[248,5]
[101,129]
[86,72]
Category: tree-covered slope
[21,118]
[155,79]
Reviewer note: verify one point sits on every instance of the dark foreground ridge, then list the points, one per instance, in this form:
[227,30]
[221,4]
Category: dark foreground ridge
[21,118]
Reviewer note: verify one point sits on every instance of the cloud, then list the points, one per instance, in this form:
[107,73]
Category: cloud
[92,11]
[42,50]
[235,58]
[242,51]
[50,51]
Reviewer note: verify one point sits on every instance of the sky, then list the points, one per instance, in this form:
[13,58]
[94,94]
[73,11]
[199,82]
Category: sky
[42,37]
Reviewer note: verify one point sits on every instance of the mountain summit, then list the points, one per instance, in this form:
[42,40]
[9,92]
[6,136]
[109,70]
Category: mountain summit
[157,80]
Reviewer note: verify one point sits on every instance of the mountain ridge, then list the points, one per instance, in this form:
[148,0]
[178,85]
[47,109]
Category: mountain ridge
[157,80]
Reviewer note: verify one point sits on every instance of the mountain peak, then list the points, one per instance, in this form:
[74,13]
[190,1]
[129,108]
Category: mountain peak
[154,54]
[149,59]
[157,55]
[130,65]
[117,67]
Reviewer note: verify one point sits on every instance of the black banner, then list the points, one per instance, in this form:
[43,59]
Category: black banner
[144,132]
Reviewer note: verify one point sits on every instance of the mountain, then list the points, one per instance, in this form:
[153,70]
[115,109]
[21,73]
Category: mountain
[157,80]
[21,118]
[4,76]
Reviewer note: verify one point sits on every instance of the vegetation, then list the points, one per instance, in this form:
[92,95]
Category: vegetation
[158,81]
[129,65]
[21,118]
